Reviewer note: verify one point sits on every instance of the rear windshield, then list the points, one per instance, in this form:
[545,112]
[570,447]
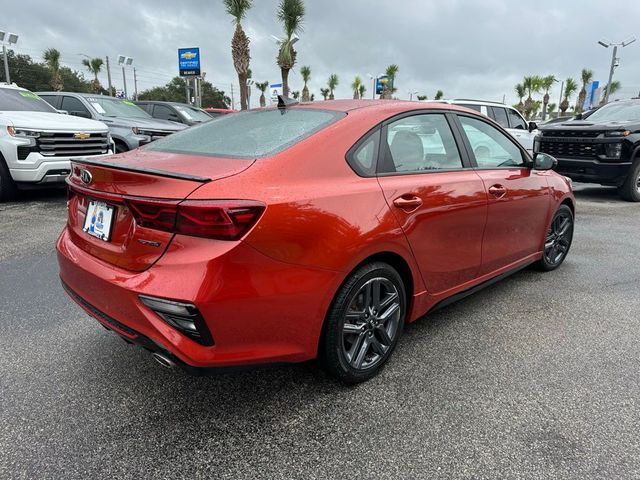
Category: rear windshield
[116,107]
[12,100]
[192,113]
[251,134]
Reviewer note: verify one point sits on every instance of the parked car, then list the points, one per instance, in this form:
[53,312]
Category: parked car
[216,112]
[603,148]
[306,231]
[37,142]
[508,117]
[174,111]
[130,126]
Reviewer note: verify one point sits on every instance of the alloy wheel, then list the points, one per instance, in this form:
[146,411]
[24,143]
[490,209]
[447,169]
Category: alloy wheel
[558,238]
[371,323]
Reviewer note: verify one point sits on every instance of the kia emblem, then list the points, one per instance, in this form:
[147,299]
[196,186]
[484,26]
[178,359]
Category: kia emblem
[85,176]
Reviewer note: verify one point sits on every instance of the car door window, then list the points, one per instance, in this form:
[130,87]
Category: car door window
[477,108]
[74,107]
[147,107]
[420,143]
[53,100]
[363,159]
[500,115]
[165,113]
[490,146]
[515,120]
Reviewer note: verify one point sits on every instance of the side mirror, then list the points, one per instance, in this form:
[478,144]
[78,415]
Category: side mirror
[62,112]
[532,126]
[544,161]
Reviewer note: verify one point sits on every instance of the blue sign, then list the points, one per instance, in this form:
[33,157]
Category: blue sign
[380,83]
[189,62]
[591,91]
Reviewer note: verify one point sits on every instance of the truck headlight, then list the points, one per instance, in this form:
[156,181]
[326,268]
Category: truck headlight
[22,132]
[613,150]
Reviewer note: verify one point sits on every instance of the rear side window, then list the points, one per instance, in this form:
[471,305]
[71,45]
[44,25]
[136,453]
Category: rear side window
[500,116]
[74,106]
[477,108]
[363,159]
[516,120]
[250,134]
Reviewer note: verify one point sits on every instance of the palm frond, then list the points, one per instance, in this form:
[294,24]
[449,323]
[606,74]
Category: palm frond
[291,13]
[237,8]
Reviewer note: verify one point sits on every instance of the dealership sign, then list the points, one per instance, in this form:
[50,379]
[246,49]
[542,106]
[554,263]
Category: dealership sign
[189,62]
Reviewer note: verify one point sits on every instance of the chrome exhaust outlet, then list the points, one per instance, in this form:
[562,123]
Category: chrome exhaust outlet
[163,360]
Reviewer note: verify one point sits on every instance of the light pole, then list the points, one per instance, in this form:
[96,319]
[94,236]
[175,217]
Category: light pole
[126,62]
[7,39]
[249,85]
[614,61]
[411,94]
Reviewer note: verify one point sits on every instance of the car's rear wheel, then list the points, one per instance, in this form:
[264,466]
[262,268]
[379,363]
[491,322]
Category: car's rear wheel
[558,240]
[8,189]
[364,323]
[630,190]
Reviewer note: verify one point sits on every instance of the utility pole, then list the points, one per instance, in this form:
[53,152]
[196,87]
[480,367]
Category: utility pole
[6,65]
[135,85]
[124,80]
[186,90]
[109,78]
[560,100]
[613,66]
[232,100]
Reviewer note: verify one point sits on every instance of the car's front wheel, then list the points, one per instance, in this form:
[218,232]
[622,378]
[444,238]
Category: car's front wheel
[8,189]
[558,240]
[364,323]
[630,190]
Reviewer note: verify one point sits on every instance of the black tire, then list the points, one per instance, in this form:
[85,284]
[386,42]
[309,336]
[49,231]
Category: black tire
[373,327]
[630,189]
[557,241]
[8,189]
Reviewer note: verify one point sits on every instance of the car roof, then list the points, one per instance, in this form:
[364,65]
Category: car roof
[12,86]
[469,101]
[162,102]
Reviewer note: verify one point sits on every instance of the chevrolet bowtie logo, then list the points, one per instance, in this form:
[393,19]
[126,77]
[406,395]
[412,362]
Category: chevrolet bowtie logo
[81,136]
[189,55]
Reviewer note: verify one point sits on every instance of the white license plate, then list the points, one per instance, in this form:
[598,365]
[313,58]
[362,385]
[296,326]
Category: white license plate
[98,220]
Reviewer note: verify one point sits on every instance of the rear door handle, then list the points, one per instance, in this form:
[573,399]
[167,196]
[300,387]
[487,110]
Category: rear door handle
[408,203]
[497,191]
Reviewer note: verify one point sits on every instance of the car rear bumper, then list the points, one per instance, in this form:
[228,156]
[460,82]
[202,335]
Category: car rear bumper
[258,310]
[594,171]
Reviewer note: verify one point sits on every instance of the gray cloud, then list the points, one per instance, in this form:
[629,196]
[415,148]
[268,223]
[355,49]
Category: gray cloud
[474,49]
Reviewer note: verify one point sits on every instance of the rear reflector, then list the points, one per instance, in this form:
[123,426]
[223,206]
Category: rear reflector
[217,219]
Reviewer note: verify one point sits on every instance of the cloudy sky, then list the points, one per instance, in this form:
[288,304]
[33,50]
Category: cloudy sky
[468,48]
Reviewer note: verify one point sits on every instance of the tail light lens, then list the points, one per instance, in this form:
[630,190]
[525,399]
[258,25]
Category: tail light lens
[216,219]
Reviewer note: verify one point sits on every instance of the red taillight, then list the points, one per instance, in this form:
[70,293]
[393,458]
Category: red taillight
[217,219]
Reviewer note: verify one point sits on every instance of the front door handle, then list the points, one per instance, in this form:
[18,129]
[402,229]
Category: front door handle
[408,203]
[497,191]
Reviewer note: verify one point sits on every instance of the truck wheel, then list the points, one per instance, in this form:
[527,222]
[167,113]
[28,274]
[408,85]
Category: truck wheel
[630,190]
[8,189]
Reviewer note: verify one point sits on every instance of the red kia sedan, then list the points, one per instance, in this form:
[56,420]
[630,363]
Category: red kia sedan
[306,231]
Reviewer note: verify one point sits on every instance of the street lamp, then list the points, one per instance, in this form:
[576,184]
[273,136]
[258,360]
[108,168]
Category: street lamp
[411,94]
[127,62]
[614,61]
[7,38]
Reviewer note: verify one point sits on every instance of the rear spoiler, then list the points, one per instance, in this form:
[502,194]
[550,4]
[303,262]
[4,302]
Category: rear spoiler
[150,171]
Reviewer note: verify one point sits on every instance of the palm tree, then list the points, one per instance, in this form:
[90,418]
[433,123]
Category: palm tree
[520,91]
[295,94]
[305,71]
[439,95]
[362,89]
[324,92]
[615,86]
[290,13]
[570,87]
[51,57]
[586,77]
[94,65]
[551,107]
[312,97]
[332,84]
[240,44]
[355,86]
[546,83]
[531,85]
[535,107]
[421,97]
[262,86]
[389,85]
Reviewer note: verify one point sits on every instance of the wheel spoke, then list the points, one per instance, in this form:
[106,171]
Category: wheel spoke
[378,347]
[375,288]
[384,336]
[564,227]
[391,297]
[351,329]
[367,296]
[361,352]
[389,312]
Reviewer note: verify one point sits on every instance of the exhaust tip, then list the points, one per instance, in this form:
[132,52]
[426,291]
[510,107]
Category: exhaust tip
[163,360]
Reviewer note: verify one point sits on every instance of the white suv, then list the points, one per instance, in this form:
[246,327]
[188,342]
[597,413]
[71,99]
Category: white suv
[37,142]
[508,117]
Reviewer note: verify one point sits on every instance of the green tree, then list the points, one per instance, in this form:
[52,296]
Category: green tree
[295,94]
[570,88]
[305,71]
[262,86]
[51,58]
[389,86]
[174,92]
[332,83]
[355,86]
[439,95]
[532,84]
[586,76]
[545,84]
[421,97]
[94,66]
[362,89]
[290,13]
[240,44]
[551,108]
[615,86]
[520,92]
[324,92]
[312,97]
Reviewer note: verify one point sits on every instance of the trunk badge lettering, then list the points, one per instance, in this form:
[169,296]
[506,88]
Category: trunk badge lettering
[151,243]
[85,176]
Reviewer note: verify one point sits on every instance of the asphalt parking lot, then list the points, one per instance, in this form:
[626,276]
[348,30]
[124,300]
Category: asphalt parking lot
[535,377]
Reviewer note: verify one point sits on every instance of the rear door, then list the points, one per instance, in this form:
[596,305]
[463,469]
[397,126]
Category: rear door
[519,128]
[437,198]
[518,196]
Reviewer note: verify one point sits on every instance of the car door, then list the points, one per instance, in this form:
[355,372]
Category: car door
[518,196]
[519,128]
[75,107]
[437,198]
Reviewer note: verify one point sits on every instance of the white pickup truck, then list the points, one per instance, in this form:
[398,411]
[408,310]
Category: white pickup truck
[37,142]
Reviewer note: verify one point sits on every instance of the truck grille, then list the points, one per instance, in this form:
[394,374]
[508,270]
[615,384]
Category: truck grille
[574,133]
[566,149]
[55,144]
